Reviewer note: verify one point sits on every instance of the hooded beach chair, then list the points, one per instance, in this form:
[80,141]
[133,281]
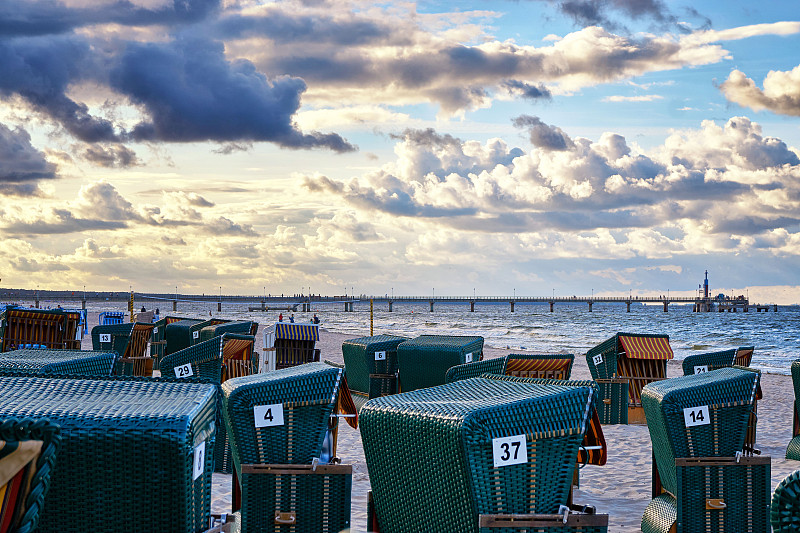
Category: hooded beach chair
[28,449]
[706,362]
[183,333]
[371,366]
[279,423]
[635,358]
[56,329]
[544,366]
[130,342]
[242,327]
[158,337]
[793,450]
[477,454]
[697,426]
[424,361]
[288,344]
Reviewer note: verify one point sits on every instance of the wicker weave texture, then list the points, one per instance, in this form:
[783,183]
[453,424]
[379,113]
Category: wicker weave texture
[429,452]
[241,327]
[613,403]
[727,395]
[41,429]
[424,361]
[113,337]
[476,369]
[178,334]
[126,461]
[745,489]
[710,360]
[59,362]
[361,362]
[306,394]
[660,515]
[321,503]
[785,508]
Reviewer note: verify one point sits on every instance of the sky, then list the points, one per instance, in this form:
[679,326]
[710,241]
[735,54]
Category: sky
[527,147]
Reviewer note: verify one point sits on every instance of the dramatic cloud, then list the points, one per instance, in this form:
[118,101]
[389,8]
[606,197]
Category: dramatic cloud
[47,17]
[21,165]
[192,93]
[728,183]
[781,93]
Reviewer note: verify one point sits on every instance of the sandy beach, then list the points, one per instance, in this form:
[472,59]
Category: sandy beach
[620,489]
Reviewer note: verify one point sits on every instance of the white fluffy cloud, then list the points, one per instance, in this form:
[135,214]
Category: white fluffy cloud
[781,92]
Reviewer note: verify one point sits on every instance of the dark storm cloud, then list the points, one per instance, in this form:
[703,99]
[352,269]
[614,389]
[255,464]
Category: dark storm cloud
[526,90]
[603,12]
[40,71]
[20,162]
[427,137]
[542,135]
[192,93]
[47,17]
[113,156]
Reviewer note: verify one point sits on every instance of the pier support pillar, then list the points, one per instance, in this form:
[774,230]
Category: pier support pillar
[390,305]
[551,306]
[37,303]
[512,306]
[83,304]
[219,307]
[628,305]
[431,306]
[666,306]
[263,305]
[775,308]
[590,307]
[174,305]
[472,306]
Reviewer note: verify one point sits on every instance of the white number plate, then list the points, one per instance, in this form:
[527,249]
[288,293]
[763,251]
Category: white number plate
[105,337]
[597,359]
[199,462]
[268,415]
[155,330]
[696,416]
[380,356]
[701,369]
[468,357]
[195,334]
[184,371]
[509,451]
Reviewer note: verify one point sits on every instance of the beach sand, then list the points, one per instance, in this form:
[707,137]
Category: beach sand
[620,488]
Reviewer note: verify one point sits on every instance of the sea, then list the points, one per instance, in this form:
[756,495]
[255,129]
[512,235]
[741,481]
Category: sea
[570,328]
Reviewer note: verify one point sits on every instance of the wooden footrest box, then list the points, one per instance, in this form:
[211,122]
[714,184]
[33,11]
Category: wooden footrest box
[544,523]
[296,498]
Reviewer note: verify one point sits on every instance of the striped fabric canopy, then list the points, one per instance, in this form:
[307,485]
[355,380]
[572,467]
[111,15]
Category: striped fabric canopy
[297,332]
[646,347]
[515,364]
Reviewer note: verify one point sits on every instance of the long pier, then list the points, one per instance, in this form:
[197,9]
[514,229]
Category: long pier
[304,302]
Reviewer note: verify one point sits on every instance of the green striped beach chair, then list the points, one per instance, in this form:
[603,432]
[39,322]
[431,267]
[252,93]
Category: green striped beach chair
[477,455]
[706,362]
[279,423]
[424,361]
[132,455]
[697,427]
[371,365]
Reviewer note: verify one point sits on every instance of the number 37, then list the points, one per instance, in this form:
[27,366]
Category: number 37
[509,451]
